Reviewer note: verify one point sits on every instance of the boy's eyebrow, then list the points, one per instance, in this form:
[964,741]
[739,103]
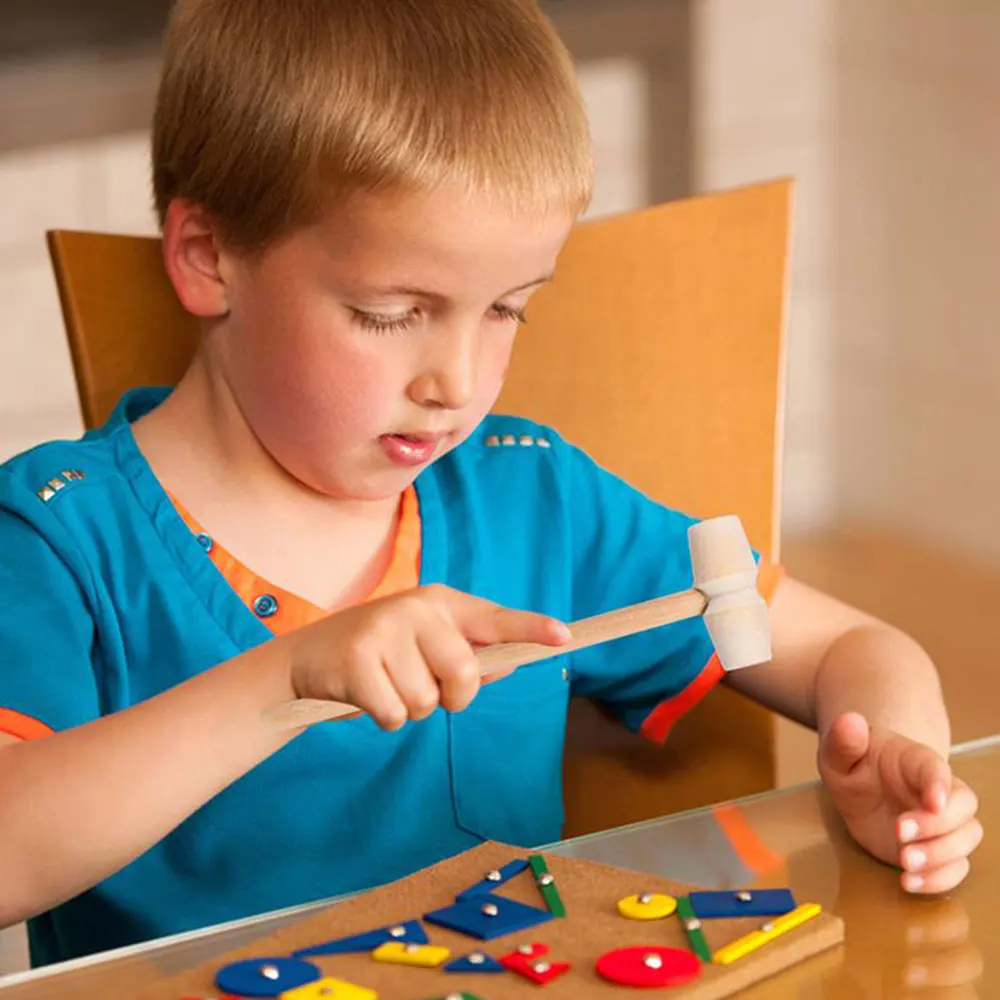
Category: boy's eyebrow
[423,293]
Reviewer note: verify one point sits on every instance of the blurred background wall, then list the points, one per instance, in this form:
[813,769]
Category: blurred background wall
[886,113]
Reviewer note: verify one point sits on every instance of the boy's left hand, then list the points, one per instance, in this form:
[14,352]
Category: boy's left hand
[901,802]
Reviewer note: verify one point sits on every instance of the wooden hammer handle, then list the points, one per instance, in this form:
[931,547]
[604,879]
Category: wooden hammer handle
[508,655]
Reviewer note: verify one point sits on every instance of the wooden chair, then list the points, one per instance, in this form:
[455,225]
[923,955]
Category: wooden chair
[659,348]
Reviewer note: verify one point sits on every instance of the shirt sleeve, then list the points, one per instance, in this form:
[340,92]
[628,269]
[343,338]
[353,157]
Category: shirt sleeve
[626,549]
[47,679]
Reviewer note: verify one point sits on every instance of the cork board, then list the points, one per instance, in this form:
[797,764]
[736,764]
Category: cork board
[591,927]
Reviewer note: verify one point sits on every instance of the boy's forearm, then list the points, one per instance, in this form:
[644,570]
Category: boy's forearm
[79,805]
[887,677]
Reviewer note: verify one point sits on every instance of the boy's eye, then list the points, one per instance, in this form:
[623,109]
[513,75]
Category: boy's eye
[507,313]
[376,323]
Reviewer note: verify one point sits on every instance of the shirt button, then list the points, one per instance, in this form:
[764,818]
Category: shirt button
[205,541]
[265,606]
[565,673]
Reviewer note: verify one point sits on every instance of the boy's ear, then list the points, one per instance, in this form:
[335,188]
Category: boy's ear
[194,260]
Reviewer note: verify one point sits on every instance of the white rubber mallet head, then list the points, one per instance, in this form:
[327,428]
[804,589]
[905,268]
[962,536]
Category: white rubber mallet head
[725,572]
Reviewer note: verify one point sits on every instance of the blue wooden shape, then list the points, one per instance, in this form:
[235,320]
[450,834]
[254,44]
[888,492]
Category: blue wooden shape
[413,933]
[761,903]
[465,964]
[266,977]
[468,917]
[485,886]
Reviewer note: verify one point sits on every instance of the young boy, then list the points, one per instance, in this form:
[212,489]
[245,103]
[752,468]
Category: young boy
[358,198]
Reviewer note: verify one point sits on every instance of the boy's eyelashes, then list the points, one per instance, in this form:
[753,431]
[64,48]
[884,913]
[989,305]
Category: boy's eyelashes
[381,323]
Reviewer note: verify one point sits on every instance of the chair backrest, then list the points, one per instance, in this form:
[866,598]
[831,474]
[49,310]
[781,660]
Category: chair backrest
[659,349]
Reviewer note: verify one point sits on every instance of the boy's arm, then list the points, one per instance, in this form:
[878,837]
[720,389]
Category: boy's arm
[80,804]
[875,698]
[830,658]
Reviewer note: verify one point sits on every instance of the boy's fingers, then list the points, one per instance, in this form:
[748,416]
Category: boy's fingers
[452,663]
[929,855]
[919,824]
[940,880]
[927,776]
[374,691]
[415,684]
[485,623]
[845,743]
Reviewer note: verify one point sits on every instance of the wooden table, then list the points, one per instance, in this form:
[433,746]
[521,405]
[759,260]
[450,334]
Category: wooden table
[896,947]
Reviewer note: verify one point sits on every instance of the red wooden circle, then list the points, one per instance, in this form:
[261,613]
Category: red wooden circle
[627,967]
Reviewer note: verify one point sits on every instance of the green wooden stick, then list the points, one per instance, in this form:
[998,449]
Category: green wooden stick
[546,885]
[692,927]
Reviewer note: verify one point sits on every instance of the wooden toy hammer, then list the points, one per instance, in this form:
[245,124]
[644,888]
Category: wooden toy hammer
[724,594]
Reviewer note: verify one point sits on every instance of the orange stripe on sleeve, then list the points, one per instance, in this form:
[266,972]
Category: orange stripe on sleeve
[749,848]
[661,720]
[24,727]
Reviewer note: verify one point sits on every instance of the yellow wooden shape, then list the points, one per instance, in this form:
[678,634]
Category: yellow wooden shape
[428,956]
[330,989]
[766,932]
[648,906]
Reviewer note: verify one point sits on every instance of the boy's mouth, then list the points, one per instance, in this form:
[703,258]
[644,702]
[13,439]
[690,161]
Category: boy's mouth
[410,449]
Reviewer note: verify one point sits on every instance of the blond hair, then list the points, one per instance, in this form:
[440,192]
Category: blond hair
[268,108]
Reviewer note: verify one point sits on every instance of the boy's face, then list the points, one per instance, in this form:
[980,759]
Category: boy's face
[364,347]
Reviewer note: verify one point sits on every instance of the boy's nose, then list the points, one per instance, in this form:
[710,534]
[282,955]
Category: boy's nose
[448,378]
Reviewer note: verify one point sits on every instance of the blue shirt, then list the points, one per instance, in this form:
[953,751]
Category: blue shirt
[107,599]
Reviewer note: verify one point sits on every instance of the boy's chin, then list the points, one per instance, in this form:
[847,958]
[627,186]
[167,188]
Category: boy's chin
[375,488]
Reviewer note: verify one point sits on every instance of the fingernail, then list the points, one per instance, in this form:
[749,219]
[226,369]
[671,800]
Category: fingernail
[908,830]
[915,859]
[916,975]
[911,883]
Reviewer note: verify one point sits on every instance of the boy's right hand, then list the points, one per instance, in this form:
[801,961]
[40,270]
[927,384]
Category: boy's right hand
[400,657]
